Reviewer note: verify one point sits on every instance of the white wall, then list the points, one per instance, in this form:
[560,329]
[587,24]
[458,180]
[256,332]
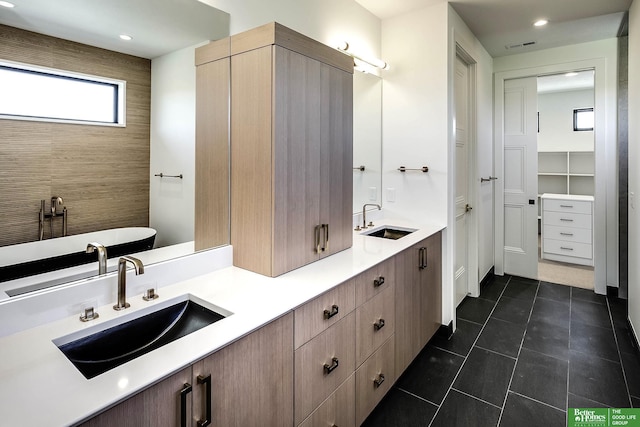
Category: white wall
[171,202]
[556,121]
[602,55]
[418,126]
[328,21]
[634,174]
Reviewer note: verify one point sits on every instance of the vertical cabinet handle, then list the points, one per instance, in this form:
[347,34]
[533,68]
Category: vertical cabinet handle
[322,237]
[378,381]
[207,383]
[329,314]
[378,325]
[422,258]
[378,282]
[329,368]
[186,389]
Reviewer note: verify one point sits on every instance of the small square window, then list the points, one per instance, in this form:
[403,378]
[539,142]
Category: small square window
[583,119]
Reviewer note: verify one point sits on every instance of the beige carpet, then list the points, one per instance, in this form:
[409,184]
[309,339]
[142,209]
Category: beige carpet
[565,274]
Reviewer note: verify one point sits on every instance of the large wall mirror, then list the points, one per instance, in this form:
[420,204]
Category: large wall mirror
[367,140]
[106,177]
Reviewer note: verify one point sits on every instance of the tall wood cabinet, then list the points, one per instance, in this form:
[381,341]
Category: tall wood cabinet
[211,224]
[291,150]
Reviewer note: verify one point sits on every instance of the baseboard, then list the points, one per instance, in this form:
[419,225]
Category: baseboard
[445,331]
[612,291]
[487,278]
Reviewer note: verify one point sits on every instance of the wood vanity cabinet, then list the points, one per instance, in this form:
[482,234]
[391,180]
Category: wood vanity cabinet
[291,150]
[248,383]
[418,298]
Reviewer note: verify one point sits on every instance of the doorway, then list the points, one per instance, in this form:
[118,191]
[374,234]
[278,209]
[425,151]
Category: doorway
[566,173]
[603,137]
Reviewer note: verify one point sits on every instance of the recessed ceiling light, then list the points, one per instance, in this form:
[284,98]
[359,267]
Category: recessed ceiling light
[6,4]
[572,74]
[540,23]
[125,37]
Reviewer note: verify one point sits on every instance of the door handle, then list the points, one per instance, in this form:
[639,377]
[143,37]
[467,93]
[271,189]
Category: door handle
[207,383]
[186,389]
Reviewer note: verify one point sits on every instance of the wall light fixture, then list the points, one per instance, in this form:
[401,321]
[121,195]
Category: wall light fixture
[375,62]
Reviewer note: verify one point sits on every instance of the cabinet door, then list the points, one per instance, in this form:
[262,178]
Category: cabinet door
[297,159]
[408,306]
[157,406]
[336,160]
[431,289]
[251,380]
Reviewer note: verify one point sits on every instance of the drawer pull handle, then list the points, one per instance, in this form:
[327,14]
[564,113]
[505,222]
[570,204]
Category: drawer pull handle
[378,381]
[565,248]
[186,389]
[378,282]
[378,325]
[566,206]
[329,368]
[566,234]
[207,383]
[566,220]
[329,314]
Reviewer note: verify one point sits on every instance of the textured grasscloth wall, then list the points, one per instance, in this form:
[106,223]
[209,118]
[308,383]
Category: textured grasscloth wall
[101,172]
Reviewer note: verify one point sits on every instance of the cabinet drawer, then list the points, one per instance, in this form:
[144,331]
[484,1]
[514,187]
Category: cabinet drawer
[568,234]
[575,206]
[338,409]
[374,379]
[322,364]
[318,314]
[567,219]
[375,323]
[572,249]
[375,280]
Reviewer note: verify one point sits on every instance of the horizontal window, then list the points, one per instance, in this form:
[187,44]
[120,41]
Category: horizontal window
[33,93]
[583,119]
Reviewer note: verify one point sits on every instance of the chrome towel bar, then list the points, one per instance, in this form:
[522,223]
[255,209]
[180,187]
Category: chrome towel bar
[162,175]
[422,169]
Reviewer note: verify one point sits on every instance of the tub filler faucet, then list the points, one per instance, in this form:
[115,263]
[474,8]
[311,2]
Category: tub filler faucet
[53,213]
[122,279]
[102,256]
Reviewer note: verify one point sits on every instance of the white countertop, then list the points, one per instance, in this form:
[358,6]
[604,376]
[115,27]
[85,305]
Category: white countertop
[39,385]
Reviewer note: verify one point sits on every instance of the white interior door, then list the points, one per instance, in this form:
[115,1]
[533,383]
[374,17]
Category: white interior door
[463,207]
[520,177]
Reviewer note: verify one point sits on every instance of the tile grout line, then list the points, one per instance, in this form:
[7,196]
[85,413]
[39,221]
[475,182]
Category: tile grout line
[470,349]
[538,401]
[416,396]
[475,398]
[506,395]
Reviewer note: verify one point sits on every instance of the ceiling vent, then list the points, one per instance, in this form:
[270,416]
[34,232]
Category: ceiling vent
[519,45]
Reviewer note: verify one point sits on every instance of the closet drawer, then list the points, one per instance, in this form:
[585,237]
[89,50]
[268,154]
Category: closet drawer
[572,249]
[568,234]
[575,206]
[322,364]
[374,379]
[318,314]
[338,409]
[374,281]
[567,219]
[375,323]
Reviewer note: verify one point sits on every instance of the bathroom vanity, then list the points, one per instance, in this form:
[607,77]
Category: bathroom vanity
[321,343]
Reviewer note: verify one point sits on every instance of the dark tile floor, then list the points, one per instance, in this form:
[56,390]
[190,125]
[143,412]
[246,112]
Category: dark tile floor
[523,352]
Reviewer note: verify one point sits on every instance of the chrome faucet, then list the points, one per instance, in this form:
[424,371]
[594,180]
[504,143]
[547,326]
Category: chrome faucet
[102,256]
[122,279]
[55,202]
[364,216]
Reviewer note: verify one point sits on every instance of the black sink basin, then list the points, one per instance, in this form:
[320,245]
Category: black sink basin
[106,349]
[390,233]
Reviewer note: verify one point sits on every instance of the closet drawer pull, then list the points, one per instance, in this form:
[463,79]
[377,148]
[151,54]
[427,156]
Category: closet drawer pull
[565,248]
[566,220]
[566,206]
[566,234]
